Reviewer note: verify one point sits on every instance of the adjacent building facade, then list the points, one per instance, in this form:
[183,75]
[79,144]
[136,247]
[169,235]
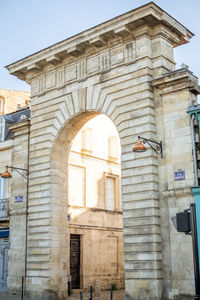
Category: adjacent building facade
[10,101]
[95,228]
[125,69]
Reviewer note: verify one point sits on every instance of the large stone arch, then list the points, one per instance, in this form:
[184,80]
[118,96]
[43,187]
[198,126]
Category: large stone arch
[124,69]
[65,115]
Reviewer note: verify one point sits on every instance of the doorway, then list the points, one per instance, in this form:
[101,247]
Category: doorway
[75,260]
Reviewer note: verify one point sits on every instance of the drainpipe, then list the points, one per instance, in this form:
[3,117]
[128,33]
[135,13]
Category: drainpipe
[194,152]
[27,192]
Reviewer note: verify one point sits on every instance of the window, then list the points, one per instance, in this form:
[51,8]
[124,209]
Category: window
[113,148]
[76,185]
[2,103]
[2,129]
[3,193]
[86,140]
[110,192]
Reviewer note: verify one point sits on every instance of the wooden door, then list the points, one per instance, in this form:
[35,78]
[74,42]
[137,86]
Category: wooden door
[75,260]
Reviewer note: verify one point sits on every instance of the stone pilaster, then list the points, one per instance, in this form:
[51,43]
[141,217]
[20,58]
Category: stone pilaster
[18,210]
[173,93]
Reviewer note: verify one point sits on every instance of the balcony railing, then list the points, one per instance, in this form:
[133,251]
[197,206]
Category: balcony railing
[3,209]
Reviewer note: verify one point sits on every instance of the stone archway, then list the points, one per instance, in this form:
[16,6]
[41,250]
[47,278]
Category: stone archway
[124,69]
[59,161]
[69,122]
[60,154]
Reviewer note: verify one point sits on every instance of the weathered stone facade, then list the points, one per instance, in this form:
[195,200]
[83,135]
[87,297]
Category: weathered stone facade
[11,100]
[95,207]
[123,68]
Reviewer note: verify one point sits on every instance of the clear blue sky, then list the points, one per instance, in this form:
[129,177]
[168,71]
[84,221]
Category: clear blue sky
[27,26]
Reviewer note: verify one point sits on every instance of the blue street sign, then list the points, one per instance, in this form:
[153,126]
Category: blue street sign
[180,175]
[18,199]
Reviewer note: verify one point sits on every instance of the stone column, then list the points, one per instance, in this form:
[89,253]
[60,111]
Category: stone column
[173,93]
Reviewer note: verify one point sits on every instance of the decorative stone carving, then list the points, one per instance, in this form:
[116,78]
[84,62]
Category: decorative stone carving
[104,61]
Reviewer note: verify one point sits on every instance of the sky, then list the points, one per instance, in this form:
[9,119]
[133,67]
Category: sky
[28,26]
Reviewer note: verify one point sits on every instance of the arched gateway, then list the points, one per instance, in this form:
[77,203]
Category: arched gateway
[123,68]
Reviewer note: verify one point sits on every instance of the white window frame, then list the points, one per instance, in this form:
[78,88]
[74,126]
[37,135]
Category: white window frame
[3,188]
[116,190]
[87,140]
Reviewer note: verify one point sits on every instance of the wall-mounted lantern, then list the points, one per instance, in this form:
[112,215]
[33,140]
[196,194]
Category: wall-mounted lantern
[8,175]
[139,147]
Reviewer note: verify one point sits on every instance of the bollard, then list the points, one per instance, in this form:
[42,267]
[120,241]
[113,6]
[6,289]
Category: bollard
[69,286]
[90,293]
[111,291]
[22,291]
[81,296]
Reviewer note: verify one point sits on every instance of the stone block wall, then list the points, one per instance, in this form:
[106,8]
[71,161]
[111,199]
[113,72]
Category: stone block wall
[18,210]
[174,93]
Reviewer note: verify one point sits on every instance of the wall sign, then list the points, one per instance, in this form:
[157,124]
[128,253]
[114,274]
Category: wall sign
[180,175]
[18,199]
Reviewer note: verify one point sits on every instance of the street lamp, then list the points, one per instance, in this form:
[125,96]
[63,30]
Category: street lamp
[8,175]
[139,147]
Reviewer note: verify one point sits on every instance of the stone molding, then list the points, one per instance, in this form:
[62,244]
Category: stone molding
[20,128]
[6,145]
[177,80]
[177,192]
[86,67]
[127,26]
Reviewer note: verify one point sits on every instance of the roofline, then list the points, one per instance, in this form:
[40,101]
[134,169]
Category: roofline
[94,32]
[20,91]
[100,24]
[17,111]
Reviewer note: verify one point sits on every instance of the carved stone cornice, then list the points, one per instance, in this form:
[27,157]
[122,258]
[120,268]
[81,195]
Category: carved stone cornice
[20,128]
[124,27]
[177,80]
[177,192]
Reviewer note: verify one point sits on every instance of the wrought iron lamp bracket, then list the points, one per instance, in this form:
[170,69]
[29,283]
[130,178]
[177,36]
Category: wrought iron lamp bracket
[18,171]
[157,148]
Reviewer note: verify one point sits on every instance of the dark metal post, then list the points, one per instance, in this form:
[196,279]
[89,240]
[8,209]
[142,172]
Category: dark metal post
[111,291]
[69,286]
[81,296]
[195,250]
[22,291]
[90,293]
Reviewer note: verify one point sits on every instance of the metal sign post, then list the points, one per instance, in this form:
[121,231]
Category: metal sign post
[193,224]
